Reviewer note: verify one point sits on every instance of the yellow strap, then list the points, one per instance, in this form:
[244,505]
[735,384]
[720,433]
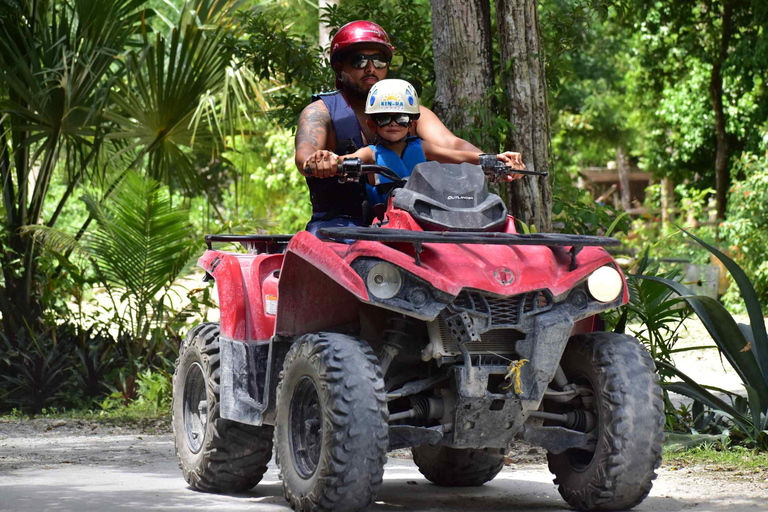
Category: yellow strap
[513,370]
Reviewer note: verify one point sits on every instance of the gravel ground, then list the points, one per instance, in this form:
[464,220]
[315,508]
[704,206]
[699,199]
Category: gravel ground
[74,465]
[79,465]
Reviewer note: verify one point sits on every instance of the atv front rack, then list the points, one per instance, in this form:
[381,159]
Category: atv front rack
[270,244]
[417,238]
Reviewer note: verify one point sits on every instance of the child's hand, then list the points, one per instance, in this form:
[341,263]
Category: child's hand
[321,164]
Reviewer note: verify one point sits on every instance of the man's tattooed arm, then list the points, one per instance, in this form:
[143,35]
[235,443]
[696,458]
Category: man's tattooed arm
[313,132]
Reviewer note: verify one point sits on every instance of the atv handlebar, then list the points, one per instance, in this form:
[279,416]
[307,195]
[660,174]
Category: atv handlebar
[352,169]
[496,170]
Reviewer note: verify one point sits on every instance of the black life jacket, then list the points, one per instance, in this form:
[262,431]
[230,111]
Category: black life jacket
[327,194]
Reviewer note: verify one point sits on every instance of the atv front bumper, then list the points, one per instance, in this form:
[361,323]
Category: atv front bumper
[489,412]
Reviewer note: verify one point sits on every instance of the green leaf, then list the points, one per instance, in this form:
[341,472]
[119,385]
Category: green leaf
[691,389]
[760,345]
[754,406]
[726,334]
[621,325]
[615,223]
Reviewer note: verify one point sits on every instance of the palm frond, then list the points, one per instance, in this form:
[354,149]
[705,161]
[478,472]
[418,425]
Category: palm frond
[142,241]
[156,103]
[55,240]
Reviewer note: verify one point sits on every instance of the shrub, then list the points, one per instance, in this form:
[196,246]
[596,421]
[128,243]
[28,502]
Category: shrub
[664,239]
[747,221]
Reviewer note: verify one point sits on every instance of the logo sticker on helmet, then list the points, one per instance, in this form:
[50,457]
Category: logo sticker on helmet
[392,101]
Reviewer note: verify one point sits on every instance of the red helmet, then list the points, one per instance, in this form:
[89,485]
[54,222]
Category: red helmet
[359,33]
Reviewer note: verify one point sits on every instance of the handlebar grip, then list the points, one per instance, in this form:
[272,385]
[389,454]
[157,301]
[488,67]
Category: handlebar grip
[492,162]
[351,166]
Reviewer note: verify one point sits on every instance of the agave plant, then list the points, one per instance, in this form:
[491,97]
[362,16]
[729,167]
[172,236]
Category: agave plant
[744,346]
[142,244]
[655,308]
[33,370]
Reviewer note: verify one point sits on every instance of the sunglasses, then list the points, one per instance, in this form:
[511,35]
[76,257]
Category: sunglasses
[384,119]
[361,61]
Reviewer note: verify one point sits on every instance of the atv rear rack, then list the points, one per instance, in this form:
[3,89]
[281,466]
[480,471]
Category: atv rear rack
[270,244]
[417,238]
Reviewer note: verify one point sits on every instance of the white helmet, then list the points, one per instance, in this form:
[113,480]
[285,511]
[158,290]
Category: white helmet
[392,96]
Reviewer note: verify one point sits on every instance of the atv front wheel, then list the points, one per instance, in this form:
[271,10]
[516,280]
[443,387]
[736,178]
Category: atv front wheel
[453,467]
[629,411]
[331,428]
[216,455]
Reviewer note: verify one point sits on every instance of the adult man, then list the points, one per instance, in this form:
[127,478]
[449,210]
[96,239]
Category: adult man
[335,125]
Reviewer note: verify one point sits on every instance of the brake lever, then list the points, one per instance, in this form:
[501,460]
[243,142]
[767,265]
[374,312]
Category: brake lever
[496,170]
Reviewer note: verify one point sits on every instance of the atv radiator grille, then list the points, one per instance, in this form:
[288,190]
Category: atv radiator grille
[503,311]
[496,341]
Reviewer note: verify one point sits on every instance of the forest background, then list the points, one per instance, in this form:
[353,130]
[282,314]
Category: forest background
[130,128]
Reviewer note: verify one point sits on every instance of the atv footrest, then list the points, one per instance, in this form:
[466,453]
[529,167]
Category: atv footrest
[406,436]
[556,439]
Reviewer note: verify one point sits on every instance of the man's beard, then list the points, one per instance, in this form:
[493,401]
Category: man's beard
[357,90]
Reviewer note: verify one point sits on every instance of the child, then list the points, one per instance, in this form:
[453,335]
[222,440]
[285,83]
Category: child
[393,111]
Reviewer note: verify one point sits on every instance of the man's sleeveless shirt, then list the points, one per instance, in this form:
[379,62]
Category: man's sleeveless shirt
[327,194]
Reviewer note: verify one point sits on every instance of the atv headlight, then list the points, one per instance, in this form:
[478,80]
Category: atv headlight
[384,280]
[605,284]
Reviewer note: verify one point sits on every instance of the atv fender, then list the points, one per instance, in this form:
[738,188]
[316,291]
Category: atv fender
[249,361]
[318,290]
[238,277]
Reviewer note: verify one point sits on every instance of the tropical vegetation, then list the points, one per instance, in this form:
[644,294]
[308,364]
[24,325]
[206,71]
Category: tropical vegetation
[129,128]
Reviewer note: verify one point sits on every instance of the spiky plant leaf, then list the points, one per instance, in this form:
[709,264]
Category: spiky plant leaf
[142,241]
[759,347]
[726,334]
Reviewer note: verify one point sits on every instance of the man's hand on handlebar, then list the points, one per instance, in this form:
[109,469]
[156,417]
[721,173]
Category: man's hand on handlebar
[513,161]
[505,167]
[322,164]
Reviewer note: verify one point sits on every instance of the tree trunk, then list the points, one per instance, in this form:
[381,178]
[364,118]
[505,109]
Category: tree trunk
[529,199]
[722,175]
[667,200]
[622,165]
[461,40]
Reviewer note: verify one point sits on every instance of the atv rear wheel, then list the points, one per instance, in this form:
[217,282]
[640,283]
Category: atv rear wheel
[629,412]
[453,467]
[331,428]
[216,455]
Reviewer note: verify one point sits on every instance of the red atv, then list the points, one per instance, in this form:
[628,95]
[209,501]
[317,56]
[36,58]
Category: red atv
[438,328]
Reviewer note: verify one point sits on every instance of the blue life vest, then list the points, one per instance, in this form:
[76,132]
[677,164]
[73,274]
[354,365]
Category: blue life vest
[403,166]
[329,197]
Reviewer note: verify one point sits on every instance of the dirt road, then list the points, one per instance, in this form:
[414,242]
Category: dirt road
[84,467]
